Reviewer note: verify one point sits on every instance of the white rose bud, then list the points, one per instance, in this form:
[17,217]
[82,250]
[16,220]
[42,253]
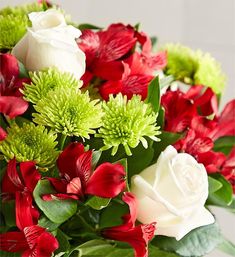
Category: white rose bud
[50,42]
[172,193]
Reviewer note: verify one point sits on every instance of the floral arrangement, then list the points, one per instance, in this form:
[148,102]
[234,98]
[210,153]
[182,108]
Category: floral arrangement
[109,148]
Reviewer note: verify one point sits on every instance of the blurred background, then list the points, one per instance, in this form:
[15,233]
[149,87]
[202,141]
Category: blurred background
[205,24]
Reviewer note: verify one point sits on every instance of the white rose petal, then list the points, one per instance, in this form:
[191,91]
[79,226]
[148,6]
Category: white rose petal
[173,192]
[51,42]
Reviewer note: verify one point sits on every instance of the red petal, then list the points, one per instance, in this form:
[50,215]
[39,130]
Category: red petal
[13,242]
[86,78]
[12,106]
[30,174]
[3,134]
[112,70]
[75,187]
[110,88]
[137,237]
[68,159]
[83,166]
[46,245]
[24,210]
[32,233]
[60,185]
[115,42]
[13,175]
[108,180]
[9,67]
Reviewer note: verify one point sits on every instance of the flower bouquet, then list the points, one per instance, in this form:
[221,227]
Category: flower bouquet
[109,148]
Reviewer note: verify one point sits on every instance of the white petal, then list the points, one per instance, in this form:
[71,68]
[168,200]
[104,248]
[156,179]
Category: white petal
[20,49]
[200,218]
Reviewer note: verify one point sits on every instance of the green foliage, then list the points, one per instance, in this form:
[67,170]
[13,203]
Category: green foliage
[224,144]
[30,143]
[194,67]
[58,211]
[227,247]
[48,80]
[98,203]
[224,195]
[198,242]
[69,111]
[22,9]
[153,96]
[214,185]
[127,122]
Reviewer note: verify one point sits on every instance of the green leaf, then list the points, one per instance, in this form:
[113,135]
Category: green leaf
[167,138]
[64,245]
[112,215]
[198,242]
[57,211]
[161,117]
[155,252]
[87,26]
[95,158]
[227,247]
[23,71]
[8,211]
[98,203]
[153,96]
[9,254]
[214,185]
[224,196]
[224,144]
[140,159]
[48,224]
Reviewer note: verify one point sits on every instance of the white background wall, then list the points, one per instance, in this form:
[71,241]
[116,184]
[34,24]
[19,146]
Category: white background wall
[205,24]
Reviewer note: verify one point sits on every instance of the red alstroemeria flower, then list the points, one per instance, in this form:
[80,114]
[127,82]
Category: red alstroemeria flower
[19,185]
[11,102]
[131,83]
[77,179]
[103,50]
[137,236]
[179,111]
[32,240]
[198,142]
[206,100]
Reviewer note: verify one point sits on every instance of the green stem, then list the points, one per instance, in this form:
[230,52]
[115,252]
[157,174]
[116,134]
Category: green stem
[85,224]
[62,141]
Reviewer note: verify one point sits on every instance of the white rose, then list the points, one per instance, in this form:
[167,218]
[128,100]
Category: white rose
[50,42]
[173,192]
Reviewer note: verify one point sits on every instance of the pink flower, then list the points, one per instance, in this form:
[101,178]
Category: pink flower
[137,236]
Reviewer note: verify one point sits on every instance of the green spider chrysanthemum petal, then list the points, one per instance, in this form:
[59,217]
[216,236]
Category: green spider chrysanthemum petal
[209,72]
[14,22]
[194,67]
[30,143]
[127,122]
[45,81]
[12,29]
[22,9]
[180,62]
[69,111]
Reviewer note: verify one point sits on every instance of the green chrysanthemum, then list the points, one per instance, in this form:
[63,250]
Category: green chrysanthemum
[194,67]
[22,10]
[12,29]
[14,22]
[127,122]
[30,143]
[45,81]
[69,111]
[180,62]
[209,72]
